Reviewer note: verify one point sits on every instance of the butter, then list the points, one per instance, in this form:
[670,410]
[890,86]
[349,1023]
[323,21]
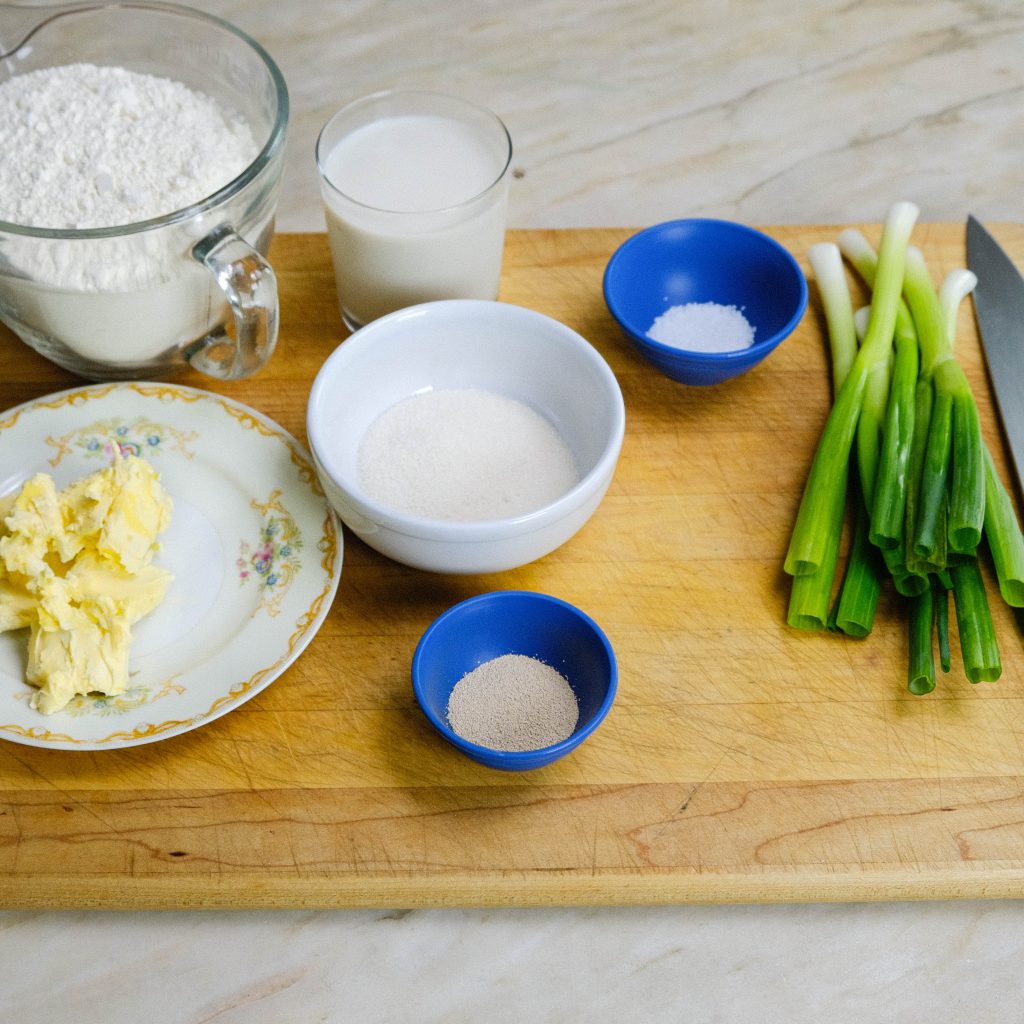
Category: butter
[34,524]
[17,606]
[75,569]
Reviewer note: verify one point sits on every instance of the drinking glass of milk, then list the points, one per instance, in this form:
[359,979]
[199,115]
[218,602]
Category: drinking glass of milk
[415,188]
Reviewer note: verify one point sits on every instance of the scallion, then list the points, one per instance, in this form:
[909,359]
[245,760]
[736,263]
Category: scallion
[925,487]
[816,521]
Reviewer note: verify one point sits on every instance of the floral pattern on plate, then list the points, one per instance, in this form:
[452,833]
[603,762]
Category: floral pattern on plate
[273,561]
[115,704]
[231,473]
[139,436]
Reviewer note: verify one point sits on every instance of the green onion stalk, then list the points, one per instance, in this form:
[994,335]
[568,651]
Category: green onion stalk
[861,586]
[953,489]
[1004,538]
[1001,530]
[954,445]
[811,592]
[921,661]
[942,586]
[916,569]
[895,478]
[938,389]
[978,646]
[819,518]
[925,486]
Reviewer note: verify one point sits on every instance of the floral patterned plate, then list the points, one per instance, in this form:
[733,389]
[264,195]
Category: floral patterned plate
[254,548]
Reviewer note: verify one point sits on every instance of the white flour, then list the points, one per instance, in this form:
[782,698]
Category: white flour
[84,146]
[464,454]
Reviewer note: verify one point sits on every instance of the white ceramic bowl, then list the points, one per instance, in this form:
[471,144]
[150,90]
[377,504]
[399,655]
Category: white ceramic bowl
[465,343]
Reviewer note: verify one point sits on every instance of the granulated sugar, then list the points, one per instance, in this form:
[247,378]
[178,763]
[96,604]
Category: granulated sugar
[703,327]
[513,702]
[464,454]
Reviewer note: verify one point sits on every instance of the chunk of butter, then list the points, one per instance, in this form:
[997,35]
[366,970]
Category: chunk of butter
[76,570]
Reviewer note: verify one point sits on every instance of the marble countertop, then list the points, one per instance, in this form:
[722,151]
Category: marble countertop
[627,114]
[621,114]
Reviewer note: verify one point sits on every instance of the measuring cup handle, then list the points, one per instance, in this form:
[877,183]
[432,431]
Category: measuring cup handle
[250,286]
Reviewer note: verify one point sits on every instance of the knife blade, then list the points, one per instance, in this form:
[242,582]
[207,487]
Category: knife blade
[999,311]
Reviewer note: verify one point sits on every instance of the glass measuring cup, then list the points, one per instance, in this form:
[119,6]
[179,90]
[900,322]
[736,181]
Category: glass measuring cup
[415,188]
[190,287]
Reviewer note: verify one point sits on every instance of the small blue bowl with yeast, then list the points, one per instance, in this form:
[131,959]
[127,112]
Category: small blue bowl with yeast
[703,277]
[548,643]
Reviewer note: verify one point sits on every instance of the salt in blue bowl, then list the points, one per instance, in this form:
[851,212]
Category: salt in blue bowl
[703,260]
[515,622]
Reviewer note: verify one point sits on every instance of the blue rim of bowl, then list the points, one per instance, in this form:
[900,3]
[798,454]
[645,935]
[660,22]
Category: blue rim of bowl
[712,357]
[552,752]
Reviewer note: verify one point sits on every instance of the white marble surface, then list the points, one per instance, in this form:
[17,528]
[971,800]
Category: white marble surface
[783,111]
[825,964]
[622,114]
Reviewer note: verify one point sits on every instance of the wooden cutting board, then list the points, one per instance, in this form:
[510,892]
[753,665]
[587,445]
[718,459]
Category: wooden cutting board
[741,762]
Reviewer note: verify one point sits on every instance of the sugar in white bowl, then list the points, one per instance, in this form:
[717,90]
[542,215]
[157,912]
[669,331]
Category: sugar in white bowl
[464,454]
[468,345]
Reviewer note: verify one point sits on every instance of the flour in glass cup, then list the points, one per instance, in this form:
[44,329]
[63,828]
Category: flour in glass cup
[86,146]
[464,454]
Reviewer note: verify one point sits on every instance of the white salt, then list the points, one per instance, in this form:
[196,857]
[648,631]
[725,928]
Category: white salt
[703,327]
[464,454]
[513,702]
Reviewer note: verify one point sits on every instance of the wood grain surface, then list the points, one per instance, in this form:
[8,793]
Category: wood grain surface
[741,762]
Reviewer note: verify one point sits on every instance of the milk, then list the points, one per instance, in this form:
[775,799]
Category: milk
[415,207]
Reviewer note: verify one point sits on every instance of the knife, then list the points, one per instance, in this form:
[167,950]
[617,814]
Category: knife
[999,310]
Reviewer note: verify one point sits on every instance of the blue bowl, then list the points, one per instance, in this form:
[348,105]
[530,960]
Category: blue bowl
[515,622]
[701,260]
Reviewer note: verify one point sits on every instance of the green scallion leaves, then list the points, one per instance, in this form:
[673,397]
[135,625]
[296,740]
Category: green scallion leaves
[924,499]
